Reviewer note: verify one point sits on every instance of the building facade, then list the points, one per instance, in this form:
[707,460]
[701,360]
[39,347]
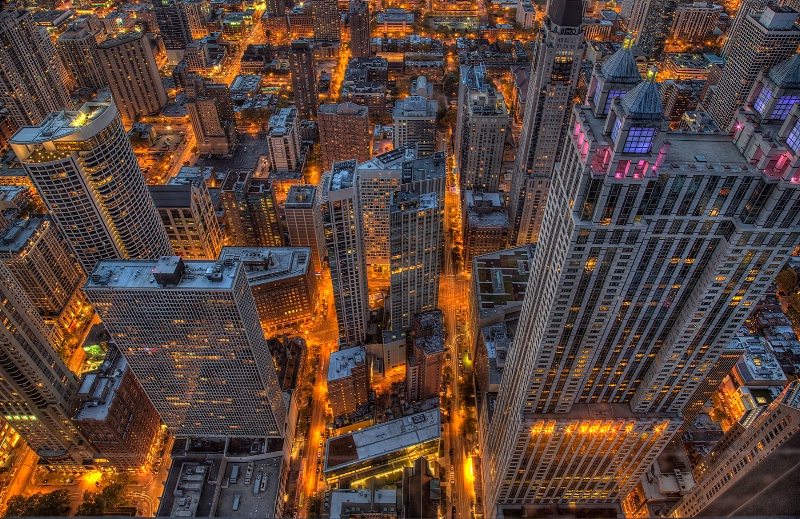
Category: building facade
[325,15]
[102,207]
[284,141]
[486,225]
[348,380]
[304,78]
[425,350]
[344,133]
[303,212]
[359,29]
[77,48]
[415,123]
[251,211]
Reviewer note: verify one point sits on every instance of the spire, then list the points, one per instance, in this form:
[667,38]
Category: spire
[621,66]
[644,101]
[787,73]
[566,13]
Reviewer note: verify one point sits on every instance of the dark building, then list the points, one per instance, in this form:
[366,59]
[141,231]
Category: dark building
[359,29]
[304,77]
[289,355]
[251,211]
[422,492]
[173,24]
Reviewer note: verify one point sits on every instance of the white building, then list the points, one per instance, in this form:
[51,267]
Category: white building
[101,206]
[416,230]
[343,226]
[526,14]
[284,141]
[191,334]
[415,123]
[694,22]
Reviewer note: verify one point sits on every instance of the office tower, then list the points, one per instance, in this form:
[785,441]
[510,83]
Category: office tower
[132,75]
[188,215]
[425,350]
[776,91]
[251,211]
[102,207]
[654,28]
[762,42]
[344,133]
[116,415]
[486,225]
[416,240]
[173,24]
[359,29]
[190,333]
[304,78]
[415,123]
[348,380]
[283,283]
[32,78]
[341,217]
[276,7]
[746,8]
[212,116]
[481,128]
[77,48]
[379,178]
[197,16]
[695,22]
[325,14]
[558,52]
[284,141]
[37,389]
[672,239]
[758,460]
[34,253]
[303,212]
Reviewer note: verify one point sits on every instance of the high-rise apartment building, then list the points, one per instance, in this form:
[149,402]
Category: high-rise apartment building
[325,14]
[558,52]
[482,124]
[251,211]
[173,24]
[415,123]
[656,21]
[359,29]
[188,215]
[276,7]
[348,380]
[303,212]
[425,355]
[695,22]
[344,133]
[197,15]
[284,141]
[101,206]
[36,255]
[32,77]
[762,41]
[304,78]
[131,73]
[38,390]
[656,248]
[190,333]
[746,8]
[77,48]
[416,240]
[211,115]
[379,178]
[341,217]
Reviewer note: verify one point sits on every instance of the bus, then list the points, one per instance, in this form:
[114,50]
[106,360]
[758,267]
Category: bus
[236,500]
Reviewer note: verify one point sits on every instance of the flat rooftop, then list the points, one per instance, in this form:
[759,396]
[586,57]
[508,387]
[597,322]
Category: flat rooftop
[500,279]
[428,331]
[386,438]
[268,264]
[140,275]
[342,501]
[342,362]
[171,196]
[15,237]
[301,196]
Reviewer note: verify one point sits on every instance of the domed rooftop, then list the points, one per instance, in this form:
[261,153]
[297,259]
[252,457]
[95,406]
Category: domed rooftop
[621,66]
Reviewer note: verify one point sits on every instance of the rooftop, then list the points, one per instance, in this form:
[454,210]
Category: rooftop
[268,264]
[407,201]
[99,388]
[16,237]
[428,331]
[301,196]
[485,210]
[347,108]
[342,501]
[63,124]
[342,362]
[245,84]
[379,440]
[141,274]
[501,279]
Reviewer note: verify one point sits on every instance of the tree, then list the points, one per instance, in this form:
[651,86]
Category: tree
[794,301]
[450,83]
[51,504]
[786,280]
[98,503]
[449,118]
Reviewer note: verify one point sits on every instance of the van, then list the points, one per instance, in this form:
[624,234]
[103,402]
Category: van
[236,500]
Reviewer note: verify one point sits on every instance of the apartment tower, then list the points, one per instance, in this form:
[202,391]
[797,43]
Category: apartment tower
[344,133]
[325,16]
[304,78]
[359,29]
[78,49]
[303,212]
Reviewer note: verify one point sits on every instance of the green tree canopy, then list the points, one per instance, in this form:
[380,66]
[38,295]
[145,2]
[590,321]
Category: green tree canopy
[51,504]
[786,280]
[98,503]
[450,83]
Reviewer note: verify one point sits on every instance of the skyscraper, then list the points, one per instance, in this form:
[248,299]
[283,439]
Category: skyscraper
[344,133]
[557,58]
[132,75]
[276,7]
[38,390]
[416,240]
[284,141]
[77,48]
[304,78]
[655,250]
[212,117]
[359,29]
[325,14]
[415,123]
[191,334]
[101,206]
[303,211]
[173,24]
[654,27]
[481,128]
[341,216]
[32,77]
[251,211]
[762,41]
[746,8]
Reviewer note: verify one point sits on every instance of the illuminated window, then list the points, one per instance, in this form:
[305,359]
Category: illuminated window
[611,95]
[616,130]
[793,139]
[783,106]
[764,97]
[639,140]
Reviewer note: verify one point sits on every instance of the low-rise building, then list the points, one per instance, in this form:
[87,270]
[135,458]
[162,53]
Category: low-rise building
[349,373]
[486,225]
[425,343]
